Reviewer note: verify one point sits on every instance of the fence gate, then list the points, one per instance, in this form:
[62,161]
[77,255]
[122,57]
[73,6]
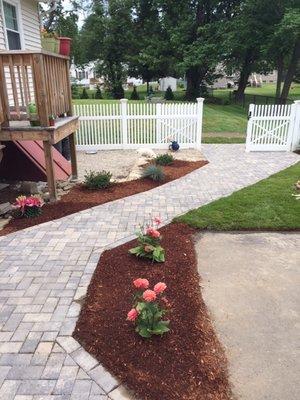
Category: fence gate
[273,127]
[132,125]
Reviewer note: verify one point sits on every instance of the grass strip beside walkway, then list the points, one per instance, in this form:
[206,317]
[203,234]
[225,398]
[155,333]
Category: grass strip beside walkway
[266,205]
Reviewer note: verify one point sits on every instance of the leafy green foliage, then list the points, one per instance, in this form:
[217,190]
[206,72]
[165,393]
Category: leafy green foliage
[75,92]
[150,321]
[32,212]
[149,239]
[134,94]
[169,95]
[164,159]
[97,180]
[98,94]
[84,94]
[154,172]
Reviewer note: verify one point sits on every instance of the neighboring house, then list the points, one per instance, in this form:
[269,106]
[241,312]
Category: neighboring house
[85,76]
[35,100]
[19,25]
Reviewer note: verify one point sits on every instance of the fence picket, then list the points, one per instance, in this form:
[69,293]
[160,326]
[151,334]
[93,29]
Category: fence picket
[132,125]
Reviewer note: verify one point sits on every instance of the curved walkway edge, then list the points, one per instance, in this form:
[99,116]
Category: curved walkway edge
[45,269]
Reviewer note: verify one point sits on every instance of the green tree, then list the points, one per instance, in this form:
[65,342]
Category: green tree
[169,95]
[98,94]
[84,94]
[106,35]
[134,94]
[150,57]
[75,92]
[194,37]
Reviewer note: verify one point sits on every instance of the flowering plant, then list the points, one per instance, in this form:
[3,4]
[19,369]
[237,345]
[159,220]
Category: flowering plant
[147,312]
[29,206]
[149,242]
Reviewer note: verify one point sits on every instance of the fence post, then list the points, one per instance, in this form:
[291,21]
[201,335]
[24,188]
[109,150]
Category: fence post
[200,101]
[158,123]
[123,103]
[249,127]
[296,127]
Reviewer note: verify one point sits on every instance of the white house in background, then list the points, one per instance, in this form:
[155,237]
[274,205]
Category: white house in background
[19,25]
[134,81]
[164,83]
[85,76]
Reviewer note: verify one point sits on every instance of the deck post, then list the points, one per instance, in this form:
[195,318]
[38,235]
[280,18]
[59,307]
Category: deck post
[73,155]
[50,170]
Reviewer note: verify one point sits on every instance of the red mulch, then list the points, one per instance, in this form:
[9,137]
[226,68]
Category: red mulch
[187,363]
[79,198]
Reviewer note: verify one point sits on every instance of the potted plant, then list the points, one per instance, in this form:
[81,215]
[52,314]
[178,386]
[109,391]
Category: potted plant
[33,115]
[64,46]
[50,41]
[52,120]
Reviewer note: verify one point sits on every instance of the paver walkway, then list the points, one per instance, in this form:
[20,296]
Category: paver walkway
[46,268]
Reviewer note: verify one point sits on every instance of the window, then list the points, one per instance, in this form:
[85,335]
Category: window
[12,26]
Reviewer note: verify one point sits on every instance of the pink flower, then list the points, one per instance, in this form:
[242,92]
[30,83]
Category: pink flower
[149,295]
[157,220]
[141,283]
[34,201]
[132,315]
[160,287]
[21,202]
[152,232]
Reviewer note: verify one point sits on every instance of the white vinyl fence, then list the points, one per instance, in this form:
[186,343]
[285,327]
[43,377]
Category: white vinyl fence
[132,125]
[273,127]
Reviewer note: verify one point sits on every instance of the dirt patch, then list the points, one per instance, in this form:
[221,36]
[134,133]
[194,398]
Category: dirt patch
[79,198]
[188,363]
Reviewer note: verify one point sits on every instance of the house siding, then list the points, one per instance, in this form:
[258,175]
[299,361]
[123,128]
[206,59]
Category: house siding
[30,26]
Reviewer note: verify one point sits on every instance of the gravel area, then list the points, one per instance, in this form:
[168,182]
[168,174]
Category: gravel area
[121,162]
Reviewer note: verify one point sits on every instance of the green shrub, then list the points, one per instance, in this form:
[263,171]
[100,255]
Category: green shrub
[134,94]
[98,94]
[75,92]
[97,180]
[169,95]
[84,94]
[155,173]
[164,159]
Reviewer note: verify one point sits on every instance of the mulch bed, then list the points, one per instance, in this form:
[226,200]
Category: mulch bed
[79,198]
[187,363]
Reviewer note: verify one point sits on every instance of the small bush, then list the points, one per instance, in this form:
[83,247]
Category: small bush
[134,94]
[97,180]
[164,159]
[75,92]
[155,173]
[84,94]
[98,94]
[169,95]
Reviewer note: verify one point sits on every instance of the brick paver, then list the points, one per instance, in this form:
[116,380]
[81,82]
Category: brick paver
[45,270]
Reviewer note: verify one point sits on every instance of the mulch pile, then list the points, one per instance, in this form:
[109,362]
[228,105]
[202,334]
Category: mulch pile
[79,198]
[187,363]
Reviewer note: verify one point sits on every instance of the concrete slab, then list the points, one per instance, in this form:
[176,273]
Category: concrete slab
[251,287]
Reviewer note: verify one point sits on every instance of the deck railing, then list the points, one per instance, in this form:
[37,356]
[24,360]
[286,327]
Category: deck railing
[34,80]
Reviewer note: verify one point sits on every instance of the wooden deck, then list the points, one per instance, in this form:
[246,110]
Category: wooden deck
[39,79]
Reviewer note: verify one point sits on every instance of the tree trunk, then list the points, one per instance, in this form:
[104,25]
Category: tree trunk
[194,78]
[290,72]
[279,77]
[243,80]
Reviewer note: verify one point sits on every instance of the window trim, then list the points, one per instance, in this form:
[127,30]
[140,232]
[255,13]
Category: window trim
[17,5]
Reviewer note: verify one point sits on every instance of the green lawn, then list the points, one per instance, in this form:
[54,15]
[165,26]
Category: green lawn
[268,205]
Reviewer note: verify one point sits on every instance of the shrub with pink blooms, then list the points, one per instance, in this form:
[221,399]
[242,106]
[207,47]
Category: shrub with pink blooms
[147,312]
[30,206]
[149,242]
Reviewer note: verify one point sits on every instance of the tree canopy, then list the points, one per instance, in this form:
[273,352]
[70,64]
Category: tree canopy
[150,39]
